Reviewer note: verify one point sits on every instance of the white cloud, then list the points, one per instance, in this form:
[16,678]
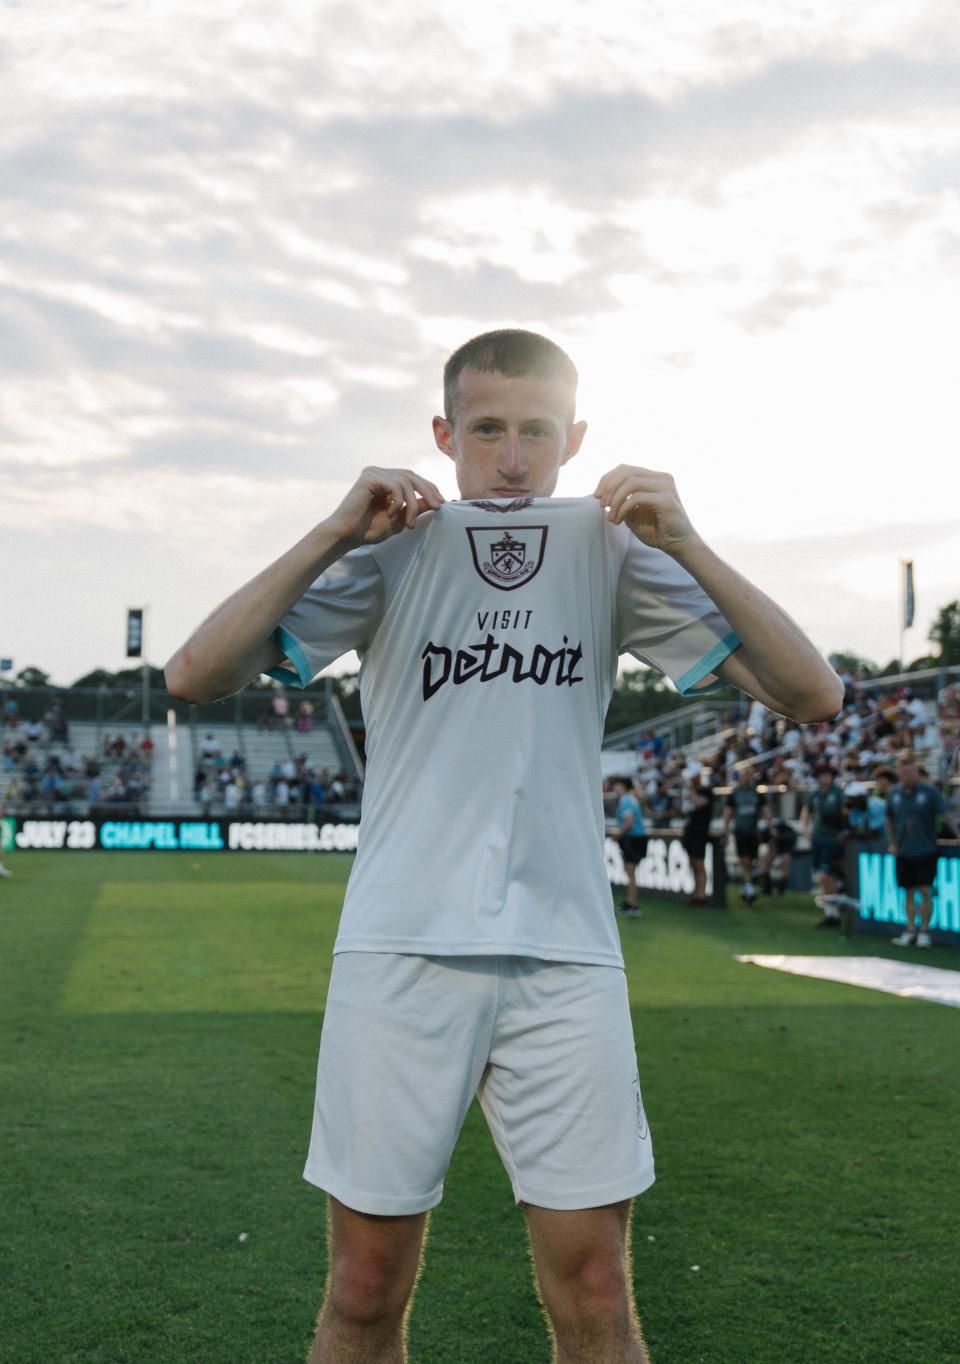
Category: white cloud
[233,263]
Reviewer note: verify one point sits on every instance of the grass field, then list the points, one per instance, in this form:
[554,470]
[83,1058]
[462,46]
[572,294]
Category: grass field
[160,1019]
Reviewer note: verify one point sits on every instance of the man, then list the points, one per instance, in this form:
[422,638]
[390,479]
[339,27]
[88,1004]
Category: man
[698,799]
[824,815]
[912,809]
[744,809]
[489,631]
[630,833]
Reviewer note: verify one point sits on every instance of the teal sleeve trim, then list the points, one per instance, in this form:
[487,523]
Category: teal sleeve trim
[707,664]
[291,647]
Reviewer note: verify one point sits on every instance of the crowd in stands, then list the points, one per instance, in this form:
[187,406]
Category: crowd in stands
[42,775]
[292,788]
[859,744]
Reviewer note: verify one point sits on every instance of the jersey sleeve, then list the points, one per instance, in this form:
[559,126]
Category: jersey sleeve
[665,619]
[337,613]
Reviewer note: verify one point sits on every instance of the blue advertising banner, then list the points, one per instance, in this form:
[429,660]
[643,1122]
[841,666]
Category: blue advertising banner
[178,835]
[872,880]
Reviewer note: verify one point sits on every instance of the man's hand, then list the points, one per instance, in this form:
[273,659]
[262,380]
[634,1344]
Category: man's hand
[382,503]
[649,504]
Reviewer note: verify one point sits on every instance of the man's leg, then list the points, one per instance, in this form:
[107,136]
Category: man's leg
[374,1263]
[926,906]
[582,1260]
[631,870]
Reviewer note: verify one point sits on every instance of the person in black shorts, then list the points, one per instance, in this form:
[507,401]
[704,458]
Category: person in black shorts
[630,834]
[696,833]
[775,861]
[745,807]
[912,810]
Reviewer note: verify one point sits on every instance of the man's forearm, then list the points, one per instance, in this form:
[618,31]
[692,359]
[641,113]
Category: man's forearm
[785,663]
[229,648]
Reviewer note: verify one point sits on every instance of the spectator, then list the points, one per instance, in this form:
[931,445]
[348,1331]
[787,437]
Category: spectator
[630,833]
[696,833]
[912,809]
[305,717]
[822,820]
[4,871]
[281,710]
[209,748]
[744,809]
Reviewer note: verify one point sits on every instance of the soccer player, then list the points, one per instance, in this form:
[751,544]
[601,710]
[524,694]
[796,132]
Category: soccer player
[478,951]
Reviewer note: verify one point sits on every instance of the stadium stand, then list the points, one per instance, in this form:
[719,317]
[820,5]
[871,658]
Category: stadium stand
[880,718]
[53,763]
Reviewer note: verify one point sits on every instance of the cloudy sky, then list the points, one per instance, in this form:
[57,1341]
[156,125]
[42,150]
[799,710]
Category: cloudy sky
[237,244]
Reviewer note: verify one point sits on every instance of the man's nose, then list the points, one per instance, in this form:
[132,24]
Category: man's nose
[510,460]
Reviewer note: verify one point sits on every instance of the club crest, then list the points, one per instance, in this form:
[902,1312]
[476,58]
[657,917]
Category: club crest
[507,558]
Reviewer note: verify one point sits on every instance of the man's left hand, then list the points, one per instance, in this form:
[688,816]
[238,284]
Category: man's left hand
[649,504]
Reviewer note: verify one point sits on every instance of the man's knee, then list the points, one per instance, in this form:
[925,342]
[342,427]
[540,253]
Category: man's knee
[365,1291]
[591,1289]
[373,1267]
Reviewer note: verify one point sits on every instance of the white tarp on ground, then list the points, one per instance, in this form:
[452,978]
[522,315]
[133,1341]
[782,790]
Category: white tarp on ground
[905,978]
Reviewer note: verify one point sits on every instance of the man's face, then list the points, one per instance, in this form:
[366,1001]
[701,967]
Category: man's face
[510,435]
[909,774]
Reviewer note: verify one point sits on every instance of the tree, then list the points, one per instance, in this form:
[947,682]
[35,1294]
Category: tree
[33,677]
[946,634]
[850,662]
[640,694]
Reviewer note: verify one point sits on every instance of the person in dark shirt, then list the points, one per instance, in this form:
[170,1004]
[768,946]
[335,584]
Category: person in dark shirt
[744,808]
[912,809]
[824,822]
[696,833]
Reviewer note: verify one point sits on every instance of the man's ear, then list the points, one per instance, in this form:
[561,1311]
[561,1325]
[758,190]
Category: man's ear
[443,435]
[574,440]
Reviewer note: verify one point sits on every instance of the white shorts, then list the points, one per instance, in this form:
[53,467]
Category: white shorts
[547,1047]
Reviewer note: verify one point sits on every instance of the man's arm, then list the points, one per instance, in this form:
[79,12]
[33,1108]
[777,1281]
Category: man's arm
[775,663]
[233,645]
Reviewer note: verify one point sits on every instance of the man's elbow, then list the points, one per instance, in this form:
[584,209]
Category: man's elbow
[823,705]
[182,682]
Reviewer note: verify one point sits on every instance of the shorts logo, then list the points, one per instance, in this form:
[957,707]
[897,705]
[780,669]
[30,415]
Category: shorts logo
[642,1128]
[504,559]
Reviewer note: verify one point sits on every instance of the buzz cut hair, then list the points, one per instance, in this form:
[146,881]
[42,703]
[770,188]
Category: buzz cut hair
[509,351]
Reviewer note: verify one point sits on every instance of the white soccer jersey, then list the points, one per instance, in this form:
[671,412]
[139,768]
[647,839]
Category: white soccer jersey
[489,636]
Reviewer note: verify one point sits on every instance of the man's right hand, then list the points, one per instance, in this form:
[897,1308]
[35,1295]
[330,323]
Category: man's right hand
[382,503]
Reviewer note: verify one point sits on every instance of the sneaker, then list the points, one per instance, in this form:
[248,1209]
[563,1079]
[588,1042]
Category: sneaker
[629,912]
[906,940]
[923,939]
[4,872]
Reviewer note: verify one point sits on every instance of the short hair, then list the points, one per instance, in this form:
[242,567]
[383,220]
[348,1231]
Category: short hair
[907,759]
[509,351]
[887,772]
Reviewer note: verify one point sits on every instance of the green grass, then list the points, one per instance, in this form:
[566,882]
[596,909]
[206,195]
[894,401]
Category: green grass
[159,1019]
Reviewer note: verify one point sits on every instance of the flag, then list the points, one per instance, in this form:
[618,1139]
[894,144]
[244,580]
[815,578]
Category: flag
[134,634]
[908,596]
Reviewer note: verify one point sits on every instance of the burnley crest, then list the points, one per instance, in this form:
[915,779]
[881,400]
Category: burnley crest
[507,558]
